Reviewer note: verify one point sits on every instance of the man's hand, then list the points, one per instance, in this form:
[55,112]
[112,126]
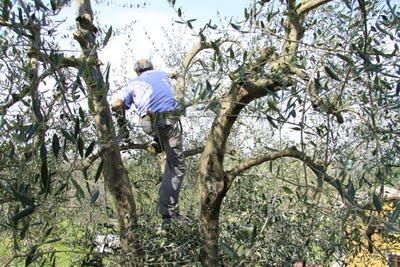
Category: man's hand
[117,104]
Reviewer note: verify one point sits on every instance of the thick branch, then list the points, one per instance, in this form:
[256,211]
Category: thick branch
[114,173]
[294,32]
[261,87]
[198,47]
[307,6]
[186,64]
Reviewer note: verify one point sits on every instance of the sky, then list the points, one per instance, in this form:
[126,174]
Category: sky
[150,18]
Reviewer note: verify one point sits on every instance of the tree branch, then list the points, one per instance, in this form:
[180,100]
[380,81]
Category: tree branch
[291,152]
[261,87]
[307,6]
[131,145]
[186,64]
[14,99]
[331,108]
[198,47]
[251,162]
[5,23]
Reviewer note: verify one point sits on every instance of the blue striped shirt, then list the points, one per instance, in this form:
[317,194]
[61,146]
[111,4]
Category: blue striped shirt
[151,91]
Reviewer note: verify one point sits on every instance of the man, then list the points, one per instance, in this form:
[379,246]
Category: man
[152,95]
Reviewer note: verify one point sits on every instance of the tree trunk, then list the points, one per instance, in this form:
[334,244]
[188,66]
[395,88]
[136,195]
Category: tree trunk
[213,181]
[209,228]
[114,172]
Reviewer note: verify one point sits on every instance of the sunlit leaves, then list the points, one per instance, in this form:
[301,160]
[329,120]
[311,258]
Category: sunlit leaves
[229,251]
[287,190]
[345,58]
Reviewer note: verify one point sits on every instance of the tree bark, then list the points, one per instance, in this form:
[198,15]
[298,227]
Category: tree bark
[214,182]
[114,173]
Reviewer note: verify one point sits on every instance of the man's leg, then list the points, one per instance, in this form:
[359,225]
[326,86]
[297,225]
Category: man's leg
[171,140]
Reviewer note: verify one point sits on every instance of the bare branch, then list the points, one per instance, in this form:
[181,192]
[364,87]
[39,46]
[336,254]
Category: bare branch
[124,147]
[251,162]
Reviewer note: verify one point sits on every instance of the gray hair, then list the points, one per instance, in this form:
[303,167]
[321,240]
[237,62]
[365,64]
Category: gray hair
[143,65]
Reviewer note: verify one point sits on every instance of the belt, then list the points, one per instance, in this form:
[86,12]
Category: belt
[172,115]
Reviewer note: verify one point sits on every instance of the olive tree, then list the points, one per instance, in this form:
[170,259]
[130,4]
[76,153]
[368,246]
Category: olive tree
[334,64]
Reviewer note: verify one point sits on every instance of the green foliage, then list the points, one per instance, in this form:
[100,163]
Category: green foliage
[265,222]
[52,201]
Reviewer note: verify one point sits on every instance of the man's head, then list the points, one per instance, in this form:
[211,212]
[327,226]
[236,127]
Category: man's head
[143,65]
